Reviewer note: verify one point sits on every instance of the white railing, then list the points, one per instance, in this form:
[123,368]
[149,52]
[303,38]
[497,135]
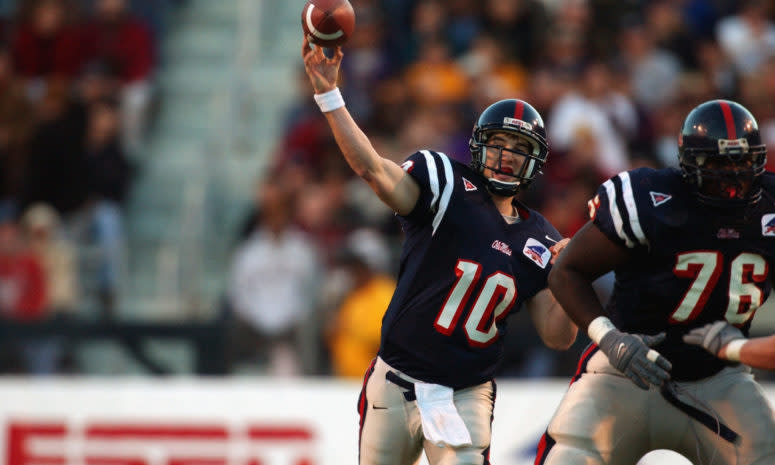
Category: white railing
[180,263]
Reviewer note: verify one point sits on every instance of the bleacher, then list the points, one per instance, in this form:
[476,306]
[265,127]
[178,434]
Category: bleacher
[223,87]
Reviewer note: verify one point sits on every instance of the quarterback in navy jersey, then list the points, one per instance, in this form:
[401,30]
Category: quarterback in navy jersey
[472,255]
[458,242]
[689,247]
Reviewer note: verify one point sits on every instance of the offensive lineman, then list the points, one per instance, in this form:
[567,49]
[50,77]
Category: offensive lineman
[472,254]
[688,247]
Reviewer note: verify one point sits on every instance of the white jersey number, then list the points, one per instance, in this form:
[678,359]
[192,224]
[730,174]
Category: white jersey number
[745,296]
[493,302]
[706,267]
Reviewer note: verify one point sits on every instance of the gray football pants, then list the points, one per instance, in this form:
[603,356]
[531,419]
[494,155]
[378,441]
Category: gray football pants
[605,419]
[391,429]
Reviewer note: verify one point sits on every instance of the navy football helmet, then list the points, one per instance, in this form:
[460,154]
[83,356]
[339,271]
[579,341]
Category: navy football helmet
[721,153]
[511,116]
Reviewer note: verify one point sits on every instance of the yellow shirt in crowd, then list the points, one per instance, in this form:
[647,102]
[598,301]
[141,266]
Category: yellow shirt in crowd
[355,339]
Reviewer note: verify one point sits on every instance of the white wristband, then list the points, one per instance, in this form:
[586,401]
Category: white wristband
[330,101]
[733,349]
[599,327]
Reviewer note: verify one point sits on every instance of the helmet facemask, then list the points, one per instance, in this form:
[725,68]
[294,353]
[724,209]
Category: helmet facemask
[722,156]
[727,177]
[518,165]
[511,117]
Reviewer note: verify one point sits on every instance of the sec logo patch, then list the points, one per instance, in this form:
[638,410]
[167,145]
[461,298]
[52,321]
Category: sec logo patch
[537,252]
[768,224]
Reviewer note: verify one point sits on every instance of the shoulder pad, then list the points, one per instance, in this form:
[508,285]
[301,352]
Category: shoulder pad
[628,206]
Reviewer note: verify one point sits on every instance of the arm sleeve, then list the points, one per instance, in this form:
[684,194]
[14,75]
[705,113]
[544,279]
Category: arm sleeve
[615,212]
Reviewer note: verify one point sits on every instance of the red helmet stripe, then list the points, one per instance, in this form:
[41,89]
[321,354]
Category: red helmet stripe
[519,109]
[729,120]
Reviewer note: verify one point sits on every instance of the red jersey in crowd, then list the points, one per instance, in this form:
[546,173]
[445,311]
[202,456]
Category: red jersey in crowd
[125,46]
[36,55]
[22,287]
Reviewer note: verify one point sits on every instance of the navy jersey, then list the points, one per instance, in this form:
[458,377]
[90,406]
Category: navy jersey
[691,265]
[463,269]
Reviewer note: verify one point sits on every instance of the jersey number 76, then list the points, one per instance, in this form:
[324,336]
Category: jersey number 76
[706,267]
[497,296]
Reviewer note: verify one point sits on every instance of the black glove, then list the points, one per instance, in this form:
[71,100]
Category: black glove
[630,354]
[713,336]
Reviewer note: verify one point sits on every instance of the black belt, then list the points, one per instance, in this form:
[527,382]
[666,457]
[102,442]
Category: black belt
[409,395]
[706,419]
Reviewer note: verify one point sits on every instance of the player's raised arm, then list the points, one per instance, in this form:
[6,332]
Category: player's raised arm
[589,255]
[387,179]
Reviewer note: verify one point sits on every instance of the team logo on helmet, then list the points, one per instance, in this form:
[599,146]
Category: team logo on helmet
[729,146]
[518,123]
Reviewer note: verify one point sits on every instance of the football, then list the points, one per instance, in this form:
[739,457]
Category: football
[328,23]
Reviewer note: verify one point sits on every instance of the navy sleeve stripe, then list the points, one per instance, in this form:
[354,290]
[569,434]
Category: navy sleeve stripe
[616,216]
[447,194]
[433,177]
[623,211]
[441,188]
[632,208]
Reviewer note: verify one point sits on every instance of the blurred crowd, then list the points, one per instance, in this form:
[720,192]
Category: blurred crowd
[613,80]
[76,91]
[314,266]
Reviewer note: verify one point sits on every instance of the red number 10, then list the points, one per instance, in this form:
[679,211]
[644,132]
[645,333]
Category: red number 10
[494,300]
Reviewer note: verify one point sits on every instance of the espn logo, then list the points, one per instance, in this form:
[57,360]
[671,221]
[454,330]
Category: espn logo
[45,443]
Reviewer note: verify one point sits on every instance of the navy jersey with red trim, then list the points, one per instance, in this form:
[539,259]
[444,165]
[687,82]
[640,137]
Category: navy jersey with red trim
[463,270]
[691,264]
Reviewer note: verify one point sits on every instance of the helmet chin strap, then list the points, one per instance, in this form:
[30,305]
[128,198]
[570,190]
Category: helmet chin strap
[504,189]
